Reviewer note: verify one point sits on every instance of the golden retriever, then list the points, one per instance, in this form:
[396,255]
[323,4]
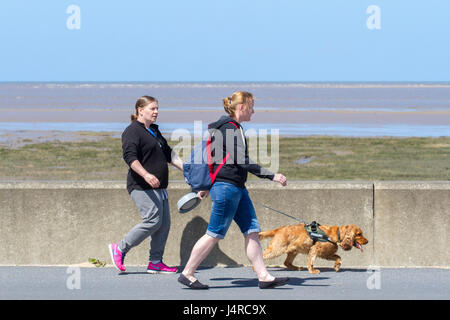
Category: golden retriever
[294,239]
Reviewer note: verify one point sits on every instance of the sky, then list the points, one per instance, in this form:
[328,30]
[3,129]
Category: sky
[227,40]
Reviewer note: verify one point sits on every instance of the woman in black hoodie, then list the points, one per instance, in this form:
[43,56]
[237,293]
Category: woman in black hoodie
[230,199]
[147,154]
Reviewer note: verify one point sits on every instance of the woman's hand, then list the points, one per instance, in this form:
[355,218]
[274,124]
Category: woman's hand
[176,161]
[203,194]
[152,180]
[148,177]
[278,177]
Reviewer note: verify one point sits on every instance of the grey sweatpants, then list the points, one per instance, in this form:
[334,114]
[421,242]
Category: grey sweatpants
[155,213]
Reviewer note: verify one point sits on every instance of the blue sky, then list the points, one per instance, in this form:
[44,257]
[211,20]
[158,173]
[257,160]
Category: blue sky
[227,40]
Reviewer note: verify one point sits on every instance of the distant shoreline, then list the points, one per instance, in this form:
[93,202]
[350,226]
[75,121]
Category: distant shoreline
[69,132]
[295,108]
[433,117]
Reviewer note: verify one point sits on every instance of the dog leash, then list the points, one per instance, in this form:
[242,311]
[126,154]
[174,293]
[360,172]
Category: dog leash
[285,214]
[312,229]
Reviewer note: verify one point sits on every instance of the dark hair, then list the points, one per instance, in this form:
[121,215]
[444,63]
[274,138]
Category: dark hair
[141,103]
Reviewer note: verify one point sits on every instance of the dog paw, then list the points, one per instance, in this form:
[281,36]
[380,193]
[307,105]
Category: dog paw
[314,271]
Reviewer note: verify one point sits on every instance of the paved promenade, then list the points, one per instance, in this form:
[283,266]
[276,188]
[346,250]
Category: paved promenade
[67,283]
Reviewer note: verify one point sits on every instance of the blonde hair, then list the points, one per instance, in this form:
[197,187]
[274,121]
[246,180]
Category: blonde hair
[141,103]
[230,103]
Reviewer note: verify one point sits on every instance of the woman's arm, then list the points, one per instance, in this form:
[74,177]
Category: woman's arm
[242,159]
[148,177]
[176,161]
[251,166]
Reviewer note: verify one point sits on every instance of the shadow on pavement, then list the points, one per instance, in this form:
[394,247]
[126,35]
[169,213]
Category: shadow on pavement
[246,283]
[321,269]
[193,231]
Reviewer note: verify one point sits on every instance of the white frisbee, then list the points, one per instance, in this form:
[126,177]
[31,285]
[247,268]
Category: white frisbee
[188,202]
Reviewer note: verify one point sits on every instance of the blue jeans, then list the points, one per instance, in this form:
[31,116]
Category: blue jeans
[231,203]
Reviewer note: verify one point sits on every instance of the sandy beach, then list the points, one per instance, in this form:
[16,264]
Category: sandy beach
[49,111]
[439,117]
[274,119]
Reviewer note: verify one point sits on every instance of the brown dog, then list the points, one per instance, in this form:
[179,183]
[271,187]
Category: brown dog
[293,240]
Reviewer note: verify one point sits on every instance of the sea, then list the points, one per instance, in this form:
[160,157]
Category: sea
[353,109]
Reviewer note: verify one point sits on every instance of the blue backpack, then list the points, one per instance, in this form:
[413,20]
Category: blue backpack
[198,170]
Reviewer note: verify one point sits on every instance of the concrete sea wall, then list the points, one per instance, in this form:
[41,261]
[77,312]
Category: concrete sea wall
[53,223]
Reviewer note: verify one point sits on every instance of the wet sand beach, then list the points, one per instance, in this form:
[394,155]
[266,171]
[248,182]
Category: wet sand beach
[274,119]
[327,131]
[434,117]
[32,111]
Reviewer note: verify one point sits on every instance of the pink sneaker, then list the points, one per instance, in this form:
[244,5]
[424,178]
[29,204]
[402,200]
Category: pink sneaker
[160,268]
[117,256]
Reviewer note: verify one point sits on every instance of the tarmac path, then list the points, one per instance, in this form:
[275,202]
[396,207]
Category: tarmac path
[239,283]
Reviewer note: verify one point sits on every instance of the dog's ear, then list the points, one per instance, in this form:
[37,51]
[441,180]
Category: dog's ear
[349,237]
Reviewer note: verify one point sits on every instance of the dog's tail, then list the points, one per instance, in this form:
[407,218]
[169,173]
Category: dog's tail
[267,234]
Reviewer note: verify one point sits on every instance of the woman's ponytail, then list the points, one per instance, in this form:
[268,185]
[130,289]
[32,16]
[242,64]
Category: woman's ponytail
[230,103]
[227,105]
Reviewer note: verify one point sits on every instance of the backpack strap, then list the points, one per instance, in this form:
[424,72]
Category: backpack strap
[234,124]
[212,173]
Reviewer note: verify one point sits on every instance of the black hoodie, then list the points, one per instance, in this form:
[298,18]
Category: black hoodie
[153,153]
[228,138]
